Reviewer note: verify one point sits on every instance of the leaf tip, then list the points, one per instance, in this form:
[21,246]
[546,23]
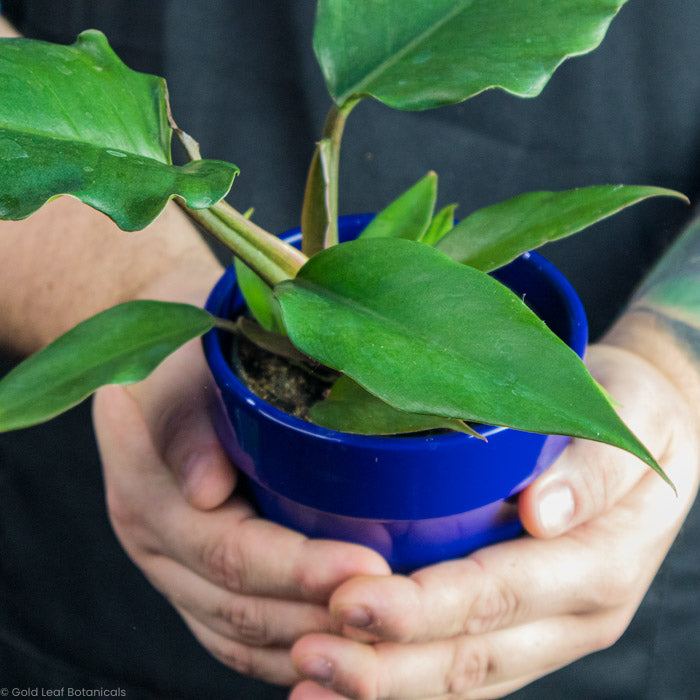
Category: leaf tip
[648,459]
[464,427]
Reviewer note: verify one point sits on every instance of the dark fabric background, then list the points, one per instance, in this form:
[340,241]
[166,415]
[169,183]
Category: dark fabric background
[73,609]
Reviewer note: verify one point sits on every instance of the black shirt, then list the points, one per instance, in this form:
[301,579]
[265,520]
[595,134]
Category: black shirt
[243,81]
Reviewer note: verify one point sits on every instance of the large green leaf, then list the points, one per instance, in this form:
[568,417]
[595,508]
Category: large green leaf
[351,409]
[409,215]
[429,335]
[119,346]
[417,54]
[495,235]
[75,120]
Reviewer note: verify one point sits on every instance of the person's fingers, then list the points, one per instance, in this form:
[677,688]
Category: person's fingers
[475,665]
[252,621]
[602,564]
[269,663]
[177,402]
[503,586]
[252,556]
[589,477]
[229,546]
[310,690]
[453,668]
[499,690]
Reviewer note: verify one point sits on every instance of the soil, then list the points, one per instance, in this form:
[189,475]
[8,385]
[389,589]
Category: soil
[274,379]
[288,387]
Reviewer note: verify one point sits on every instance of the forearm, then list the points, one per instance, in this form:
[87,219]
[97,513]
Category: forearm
[67,262]
[6,29]
[663,321]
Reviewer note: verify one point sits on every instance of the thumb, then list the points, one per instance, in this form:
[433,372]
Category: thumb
[587,480]
[177,402]
[590,478]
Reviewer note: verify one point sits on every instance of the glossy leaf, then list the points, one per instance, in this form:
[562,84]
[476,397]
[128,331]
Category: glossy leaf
[429,335]
[75,120]
[258,298]
[351,409]
[495,235]
[419,55]
[409,215]
[442,222]
[119,346]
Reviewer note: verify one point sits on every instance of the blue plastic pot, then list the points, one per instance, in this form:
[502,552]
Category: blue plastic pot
[416,500]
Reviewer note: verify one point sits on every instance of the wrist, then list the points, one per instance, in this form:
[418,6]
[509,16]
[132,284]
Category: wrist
[650,337]
[7,31]
[187,270]
[71,262]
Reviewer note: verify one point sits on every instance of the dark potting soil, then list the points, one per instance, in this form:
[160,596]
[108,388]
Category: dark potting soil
[288,387]
[274,379]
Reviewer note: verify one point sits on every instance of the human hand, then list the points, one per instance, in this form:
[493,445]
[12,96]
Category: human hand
[247,588]
[488,624]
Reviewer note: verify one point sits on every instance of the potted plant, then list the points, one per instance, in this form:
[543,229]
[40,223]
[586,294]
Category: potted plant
[406,321]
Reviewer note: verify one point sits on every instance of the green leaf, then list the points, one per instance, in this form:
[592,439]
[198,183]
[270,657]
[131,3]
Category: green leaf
[119,346]
[409,215]
[495,235]
[276,343]
[75,120]
[429,335]
[258,297]
[351,409]
[440,52]
[442,222]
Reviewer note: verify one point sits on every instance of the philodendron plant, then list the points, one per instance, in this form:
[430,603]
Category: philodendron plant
[421,334]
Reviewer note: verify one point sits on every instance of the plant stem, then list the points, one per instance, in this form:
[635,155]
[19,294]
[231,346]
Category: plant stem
[285,256]
[333,130]
[225,324]
[268,256]
[320,229]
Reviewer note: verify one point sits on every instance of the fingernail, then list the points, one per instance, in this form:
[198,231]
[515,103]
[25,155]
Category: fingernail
[317,668]
[356,616]
[555,508]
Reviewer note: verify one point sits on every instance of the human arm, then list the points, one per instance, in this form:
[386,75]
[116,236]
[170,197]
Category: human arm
[162,463]
[7,31]
[497,620]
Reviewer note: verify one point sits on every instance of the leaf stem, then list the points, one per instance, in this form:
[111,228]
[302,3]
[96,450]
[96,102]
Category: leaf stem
[333,130]
[225,324]
[285,256]
[322,183]
[272,259]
